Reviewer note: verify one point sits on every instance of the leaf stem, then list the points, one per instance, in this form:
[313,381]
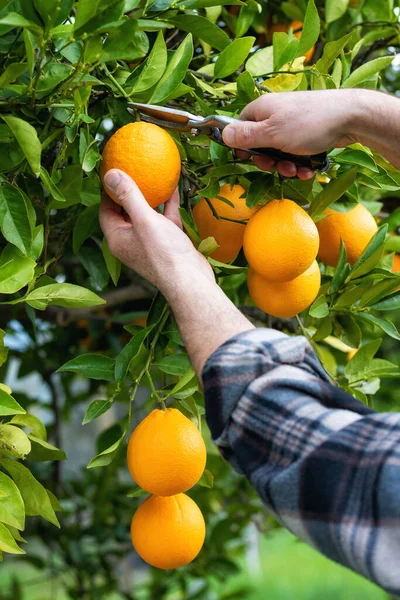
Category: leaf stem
[115,82]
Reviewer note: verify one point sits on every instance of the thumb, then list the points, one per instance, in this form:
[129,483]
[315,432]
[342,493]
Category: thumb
[124,190]
[246,134]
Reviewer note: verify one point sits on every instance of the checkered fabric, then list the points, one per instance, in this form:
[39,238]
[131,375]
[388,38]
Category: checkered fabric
[327,466]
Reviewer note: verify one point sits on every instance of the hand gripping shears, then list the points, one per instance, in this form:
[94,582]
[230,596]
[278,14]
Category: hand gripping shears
[212,126]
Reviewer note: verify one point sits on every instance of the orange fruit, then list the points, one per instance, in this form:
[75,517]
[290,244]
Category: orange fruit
[142,321]
[227,234]
[168,532]
[396,263]
[149,155]
[356,227]
[288,298]
[280,241]
[297,27]
[166,453]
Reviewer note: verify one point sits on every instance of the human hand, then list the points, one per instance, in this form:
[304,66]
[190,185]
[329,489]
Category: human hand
[148,242]
[295,122]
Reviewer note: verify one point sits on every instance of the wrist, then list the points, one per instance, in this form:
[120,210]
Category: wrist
[186,278]
[367,115]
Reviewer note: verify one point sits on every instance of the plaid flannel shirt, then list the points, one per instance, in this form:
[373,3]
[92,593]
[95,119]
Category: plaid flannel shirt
[327,466]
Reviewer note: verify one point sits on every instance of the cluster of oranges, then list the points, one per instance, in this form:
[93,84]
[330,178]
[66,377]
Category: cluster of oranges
[281,243]
[166,457]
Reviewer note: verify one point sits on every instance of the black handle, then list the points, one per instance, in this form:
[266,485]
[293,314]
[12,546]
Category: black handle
[316,162]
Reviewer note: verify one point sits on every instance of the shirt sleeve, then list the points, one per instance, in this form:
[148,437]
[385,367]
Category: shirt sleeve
[326,465]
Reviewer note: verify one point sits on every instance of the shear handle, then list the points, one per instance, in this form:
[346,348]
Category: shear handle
[316,162]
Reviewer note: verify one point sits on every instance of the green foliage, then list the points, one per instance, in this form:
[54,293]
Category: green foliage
[67,71]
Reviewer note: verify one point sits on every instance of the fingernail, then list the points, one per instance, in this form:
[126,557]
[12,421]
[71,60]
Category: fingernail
[229,135]
[112,179]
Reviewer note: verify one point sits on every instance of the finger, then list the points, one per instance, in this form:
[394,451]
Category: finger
[110,216]
[246,134]
[242,155]
[304,173]
[286,168]
[126,192]
[264,163]
[258,109]
[171,209]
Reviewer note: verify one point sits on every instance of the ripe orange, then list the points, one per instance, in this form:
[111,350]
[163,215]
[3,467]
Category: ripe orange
[227,234]
[396,263]
[356,227]
[297,27]
[149,155]
[288,298]
[168,532]
[280,241]
[166,453]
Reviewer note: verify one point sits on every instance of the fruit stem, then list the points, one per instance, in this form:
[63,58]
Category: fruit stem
[163,405]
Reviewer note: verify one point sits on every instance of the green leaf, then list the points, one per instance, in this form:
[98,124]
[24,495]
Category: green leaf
[14,442]
[33,423]
[154,66]
[246,17]
[319,309]
[112,263]
[42,450]
[207,479]
[129,352]
[16,270]
[62,294]
[341,271]
[97,15]
[107,456]
[331,52]
[362,357]
[175,71]
[92,259]
[390,303]
[201,28]
[16,217]
[386,326]
[334,9]
[28,140]
[379,290]
[357,157]
[233,56]
[34,495]
[332,192]
[185,380]
[15,20]
[137,493]
[371,254]
[174,364]
[351,295]
[50,185]
[95,410]
[7,542]
[261,62]
[9,406]
[310,31]
[3,349]
[11,73]
[207,246]
[93,366]
[12,509]
[189,227]
[367,70]
[84,226]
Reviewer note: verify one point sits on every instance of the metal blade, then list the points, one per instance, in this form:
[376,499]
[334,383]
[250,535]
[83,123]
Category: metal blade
[163,113]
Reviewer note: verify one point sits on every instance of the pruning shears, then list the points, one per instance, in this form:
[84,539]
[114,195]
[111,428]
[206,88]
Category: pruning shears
[212,126]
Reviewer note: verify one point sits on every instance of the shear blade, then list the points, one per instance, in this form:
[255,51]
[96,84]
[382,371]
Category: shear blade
[179,118]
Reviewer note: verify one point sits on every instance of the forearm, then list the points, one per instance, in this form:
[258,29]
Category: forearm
[377,123]
[205,316]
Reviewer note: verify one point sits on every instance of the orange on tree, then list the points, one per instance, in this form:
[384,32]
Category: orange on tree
[149,155]
[396,263]
[227,234]
[297,27]
[280,241]
[166,453]
[168,532]
[285,299]
[356,227]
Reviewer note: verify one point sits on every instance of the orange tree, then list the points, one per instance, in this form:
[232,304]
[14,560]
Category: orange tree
[70,312]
